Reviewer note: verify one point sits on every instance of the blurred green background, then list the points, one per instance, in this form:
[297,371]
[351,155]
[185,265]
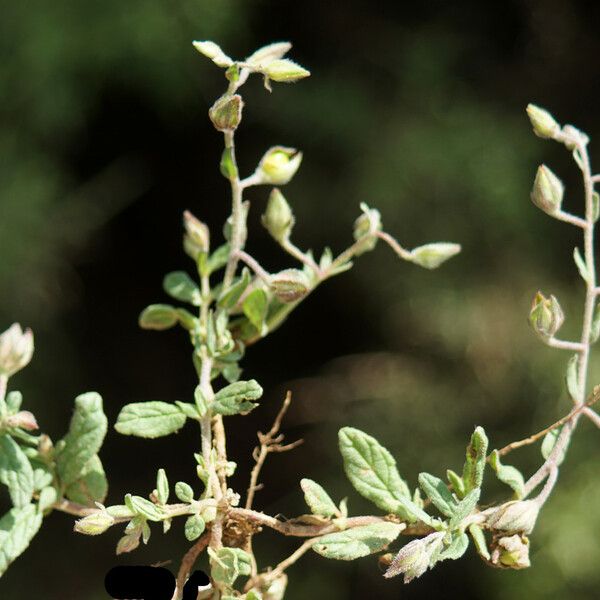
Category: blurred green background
[415,109]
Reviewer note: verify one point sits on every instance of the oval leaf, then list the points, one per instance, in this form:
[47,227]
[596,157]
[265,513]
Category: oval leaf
[149,419]
[15,472]
[358,541]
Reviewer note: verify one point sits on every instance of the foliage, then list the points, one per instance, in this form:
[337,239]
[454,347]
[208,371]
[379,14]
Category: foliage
[233,302]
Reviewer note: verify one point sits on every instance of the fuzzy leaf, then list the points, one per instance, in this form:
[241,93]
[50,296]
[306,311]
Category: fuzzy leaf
[465,507]
[149,419]
[142,507]
[229,298]
[91,487]
[182,287]
[318,499]
[438,493]
[572,378]
[237,397]
[255,307]
[162,487]
[581,265]
[358,541]
[479,541]
[457,483]
[549,442]
[158,317]
[227,564]
[84,439]
[475,461]
[507,474]
[372,470]
[17,528]
[458,546]
[194,527]
[15,472]
[184,491]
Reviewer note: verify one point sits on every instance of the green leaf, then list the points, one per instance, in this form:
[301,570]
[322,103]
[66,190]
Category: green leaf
[438,493]
[464,508]
[194,527]
[476,458]
[318,499]
[237,397]
[189,410]
[372,470]
[227,165]
[42,475]
[14,400]
[227,564]
[162,486]
[91,487]
[218,259]
[572,379]
[149,419]
[184,491]
[17,528]
[84,439]
[255,307]
[595,206]
[479,541]
[48,497]
[158,317]
[581,265]
[511,476]
[181,286]
[549,442]
[15,472]
[457,483]
[458,546]
[144,508]
[232,294]
[358,541]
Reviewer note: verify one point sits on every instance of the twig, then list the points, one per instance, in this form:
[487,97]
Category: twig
[254,265]
[595,396]
[592,415]
[403,253]
[187,562]
[270,442]
[303,257]
[565,345]
[572,219]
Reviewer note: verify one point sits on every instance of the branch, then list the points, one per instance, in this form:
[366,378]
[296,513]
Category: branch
[270,442]
[187,562]
[594,397]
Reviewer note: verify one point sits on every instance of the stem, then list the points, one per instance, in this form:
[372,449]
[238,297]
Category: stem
[237,216]
[569,218]
[403,253]
[302,257]
[205,422]
[564,345]
[550,467]
[271,442]
[254,265]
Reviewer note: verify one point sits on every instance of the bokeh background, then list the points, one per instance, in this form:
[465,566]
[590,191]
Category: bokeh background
[417,109]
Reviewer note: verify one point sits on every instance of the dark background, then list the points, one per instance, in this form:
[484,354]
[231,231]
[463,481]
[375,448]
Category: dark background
[417,109]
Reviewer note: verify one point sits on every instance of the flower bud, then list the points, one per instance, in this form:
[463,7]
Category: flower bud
[284,70]
[276,589]
[269,53]
[431,256]
[16,349]
[511,552]
[290,285]
[414,558]
[197,235]
[214,52]
[226,112]
[366,226]
[518,516]
[546,315]
[94,524]
[548,190]
[278,165]
[278,219]
[543,122]
[23,419]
